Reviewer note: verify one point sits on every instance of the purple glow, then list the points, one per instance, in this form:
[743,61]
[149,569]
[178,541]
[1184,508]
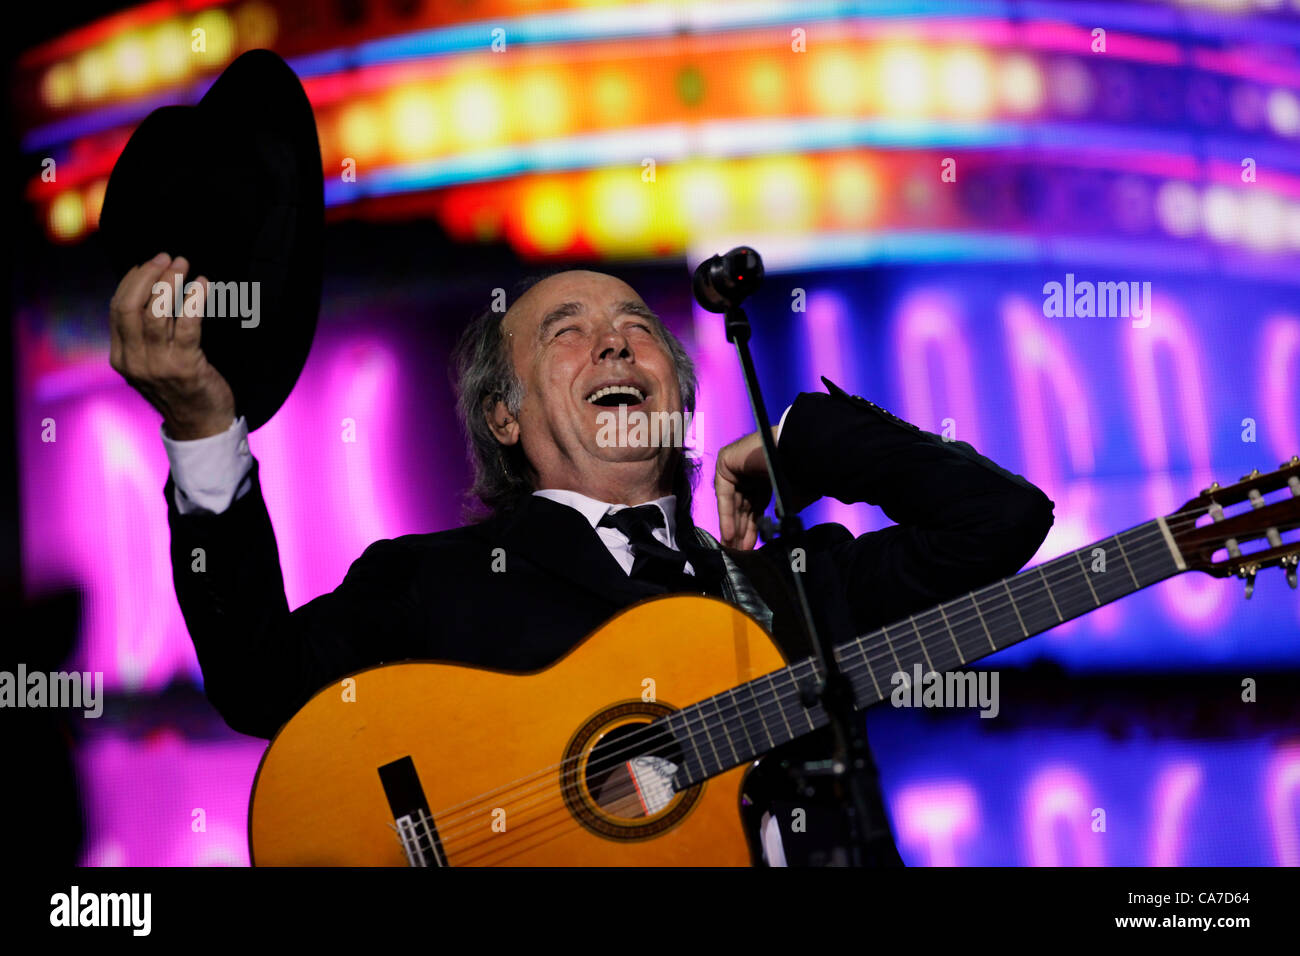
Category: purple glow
[146,793]
[1058,818]
[1176,388]
[935,818]
[1175,790]
[1282,797]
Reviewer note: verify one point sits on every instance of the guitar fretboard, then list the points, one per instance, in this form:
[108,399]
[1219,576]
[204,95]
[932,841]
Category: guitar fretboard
[746,722]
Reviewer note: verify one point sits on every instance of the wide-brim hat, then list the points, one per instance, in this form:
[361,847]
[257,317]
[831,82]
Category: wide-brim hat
[235,186]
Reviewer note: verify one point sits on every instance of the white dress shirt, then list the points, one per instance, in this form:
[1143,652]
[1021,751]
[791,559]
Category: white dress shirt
[211,473]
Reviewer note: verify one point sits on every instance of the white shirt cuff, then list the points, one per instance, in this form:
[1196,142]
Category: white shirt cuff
[781,424]
[211,472]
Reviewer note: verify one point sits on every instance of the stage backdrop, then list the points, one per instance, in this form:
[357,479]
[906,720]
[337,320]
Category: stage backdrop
[933,188]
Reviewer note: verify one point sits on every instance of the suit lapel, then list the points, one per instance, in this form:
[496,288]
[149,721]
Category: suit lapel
[559,540]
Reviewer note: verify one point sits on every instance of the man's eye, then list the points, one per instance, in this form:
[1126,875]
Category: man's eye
[567,328]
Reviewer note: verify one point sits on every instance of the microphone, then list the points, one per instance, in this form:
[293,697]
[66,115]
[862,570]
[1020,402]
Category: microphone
[722,282]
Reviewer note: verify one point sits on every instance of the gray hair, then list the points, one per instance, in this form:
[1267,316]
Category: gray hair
[485,375]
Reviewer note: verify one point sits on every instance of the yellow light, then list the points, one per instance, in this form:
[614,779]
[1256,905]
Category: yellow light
[837,83]
[619,210]
[219,38]
[769,86]
[169,50]
[543,106]
[59,85]
[476,113]
[549,217]
[1021,84]
[704,198]
[67,216]
[414,122]
[904,81]
[966,83]
[94,202]
[611,98]
[784,193]
[360,132]
[92,74]
[852,192]
[132,69]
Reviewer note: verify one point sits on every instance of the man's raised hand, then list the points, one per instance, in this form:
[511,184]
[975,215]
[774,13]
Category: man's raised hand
[159,355]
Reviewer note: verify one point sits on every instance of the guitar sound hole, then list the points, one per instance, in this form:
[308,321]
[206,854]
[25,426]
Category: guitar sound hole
[629,771]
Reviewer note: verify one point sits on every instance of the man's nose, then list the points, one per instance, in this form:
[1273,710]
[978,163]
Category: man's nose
[612,344]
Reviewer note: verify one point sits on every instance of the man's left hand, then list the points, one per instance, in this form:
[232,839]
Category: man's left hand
[743,489]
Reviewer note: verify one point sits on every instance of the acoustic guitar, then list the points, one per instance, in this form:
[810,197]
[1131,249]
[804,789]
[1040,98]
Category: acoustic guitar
[632,749]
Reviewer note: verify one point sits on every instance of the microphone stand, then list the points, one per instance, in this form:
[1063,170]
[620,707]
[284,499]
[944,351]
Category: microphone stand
[836,693]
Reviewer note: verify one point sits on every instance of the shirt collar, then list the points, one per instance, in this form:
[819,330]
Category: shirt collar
[594,510]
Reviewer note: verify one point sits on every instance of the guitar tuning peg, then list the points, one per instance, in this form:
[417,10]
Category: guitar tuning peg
[1248,573]
[1290,565]
[1213,486]
[1254,473]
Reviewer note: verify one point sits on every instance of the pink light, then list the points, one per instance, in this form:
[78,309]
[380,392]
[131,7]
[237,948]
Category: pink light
[1281,789]
[1056,432]
[1173,792]
[1199,602]
[722,410]
[827,325]
[141,809]
[1059,810]
[1279,384]
[96,516]
[937,817]
[329,498]
[930,330]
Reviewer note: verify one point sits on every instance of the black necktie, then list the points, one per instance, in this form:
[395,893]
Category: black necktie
[652,559]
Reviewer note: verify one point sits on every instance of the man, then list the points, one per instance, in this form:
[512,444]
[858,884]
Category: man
[587,526]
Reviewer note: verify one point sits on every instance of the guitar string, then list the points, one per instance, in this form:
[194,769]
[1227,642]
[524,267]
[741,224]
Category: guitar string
[1140,547]
[562,820]
[736,709]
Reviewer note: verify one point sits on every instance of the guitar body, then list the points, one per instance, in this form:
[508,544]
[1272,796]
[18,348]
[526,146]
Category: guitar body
[503,762]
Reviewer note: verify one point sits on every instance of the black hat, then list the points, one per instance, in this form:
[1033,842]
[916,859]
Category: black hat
[235,186]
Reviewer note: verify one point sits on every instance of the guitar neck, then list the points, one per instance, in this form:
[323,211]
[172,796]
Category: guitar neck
[746,722]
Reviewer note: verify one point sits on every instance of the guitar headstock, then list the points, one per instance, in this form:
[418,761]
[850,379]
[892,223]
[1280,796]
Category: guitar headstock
[1265,520]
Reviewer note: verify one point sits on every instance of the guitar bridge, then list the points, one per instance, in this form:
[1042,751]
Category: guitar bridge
[412,818]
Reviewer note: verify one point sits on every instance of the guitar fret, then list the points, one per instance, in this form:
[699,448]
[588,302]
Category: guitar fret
[780,707]
[758,709]
[974,599]
[870,670]
[890,644]
[951,634]
[708,737]
[1010,598]
[740,711]
[1087,578]
[920,641]
[1050,597]
[1120,545]
[692,752]
[726,734]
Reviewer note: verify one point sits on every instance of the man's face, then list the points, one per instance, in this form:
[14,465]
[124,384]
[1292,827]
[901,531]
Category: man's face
[570,336]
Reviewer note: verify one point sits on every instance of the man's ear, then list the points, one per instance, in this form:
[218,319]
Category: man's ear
[505,427]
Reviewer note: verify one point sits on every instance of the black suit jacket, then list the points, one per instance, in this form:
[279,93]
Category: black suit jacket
[962,522]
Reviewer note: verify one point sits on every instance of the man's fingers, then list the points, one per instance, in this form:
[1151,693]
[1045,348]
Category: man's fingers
[158,319]
[136,288]
[188,329]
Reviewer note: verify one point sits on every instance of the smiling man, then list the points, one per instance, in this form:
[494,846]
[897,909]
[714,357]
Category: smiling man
[586,527]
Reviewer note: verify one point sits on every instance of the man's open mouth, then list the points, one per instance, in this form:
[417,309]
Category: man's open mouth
[611,396]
